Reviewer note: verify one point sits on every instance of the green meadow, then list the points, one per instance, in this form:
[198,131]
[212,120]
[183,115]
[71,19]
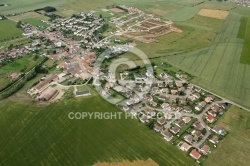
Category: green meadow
[8,30]
[183,14]
[35,22]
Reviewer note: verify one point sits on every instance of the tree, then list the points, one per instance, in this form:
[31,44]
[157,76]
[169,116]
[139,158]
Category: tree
[151,124]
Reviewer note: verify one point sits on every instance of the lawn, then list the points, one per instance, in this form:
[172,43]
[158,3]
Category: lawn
[8,30]
[218,68]
[235,147]
[45,135]
[245,54]
[22,64]
[183,14]
[35,22]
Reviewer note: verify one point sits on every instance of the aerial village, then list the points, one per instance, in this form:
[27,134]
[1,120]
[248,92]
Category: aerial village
[183,114]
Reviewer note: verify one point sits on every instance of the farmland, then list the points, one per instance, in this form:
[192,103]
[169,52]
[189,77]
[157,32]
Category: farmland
[216,6]
[46,135]
[218,68]
[8,30]
[17,6]
[183,14]
[29,15]
[22,64]
[245,31]
[235,147]
[178,42]
[3,79]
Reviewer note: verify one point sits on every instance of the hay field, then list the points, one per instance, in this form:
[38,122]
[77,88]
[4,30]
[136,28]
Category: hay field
[219,14]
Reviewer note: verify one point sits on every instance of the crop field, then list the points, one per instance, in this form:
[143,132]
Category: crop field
[160,8]
[216,5]
[29,15]
[35,22]
[218,68]
[204,23]
[46,135]
[245,31]
[242,10]
[8,30]
[17,6]
[22,64]
[183,14]
[219,14]
[234,148]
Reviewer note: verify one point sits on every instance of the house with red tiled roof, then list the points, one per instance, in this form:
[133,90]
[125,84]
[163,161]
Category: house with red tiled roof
[62,65]
[210,118]
[195,154]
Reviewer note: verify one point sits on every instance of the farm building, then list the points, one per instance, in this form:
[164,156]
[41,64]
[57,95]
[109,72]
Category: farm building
[44,84]
[47,94]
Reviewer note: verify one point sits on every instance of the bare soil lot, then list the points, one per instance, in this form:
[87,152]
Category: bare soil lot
[148,162]
[116,10]
[219,14]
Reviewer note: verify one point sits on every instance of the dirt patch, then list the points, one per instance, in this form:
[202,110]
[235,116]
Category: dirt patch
[147,24]
[116,10]
[148,162]
[219,14]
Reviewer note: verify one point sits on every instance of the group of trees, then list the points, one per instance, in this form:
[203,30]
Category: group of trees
[17,85]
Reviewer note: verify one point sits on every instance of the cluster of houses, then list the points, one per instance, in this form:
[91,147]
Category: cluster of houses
[83,25]
[241,2]
[194,130]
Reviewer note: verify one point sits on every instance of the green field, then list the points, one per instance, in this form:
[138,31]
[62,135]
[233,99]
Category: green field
[22,64]
[178,42]
[183,14]
[216,5]
[4,80]
[18,6]
[8,30]
[35,22]
[234,148]
[14,42]
[33,135]
[245,54]
[29,15]
[218,68]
